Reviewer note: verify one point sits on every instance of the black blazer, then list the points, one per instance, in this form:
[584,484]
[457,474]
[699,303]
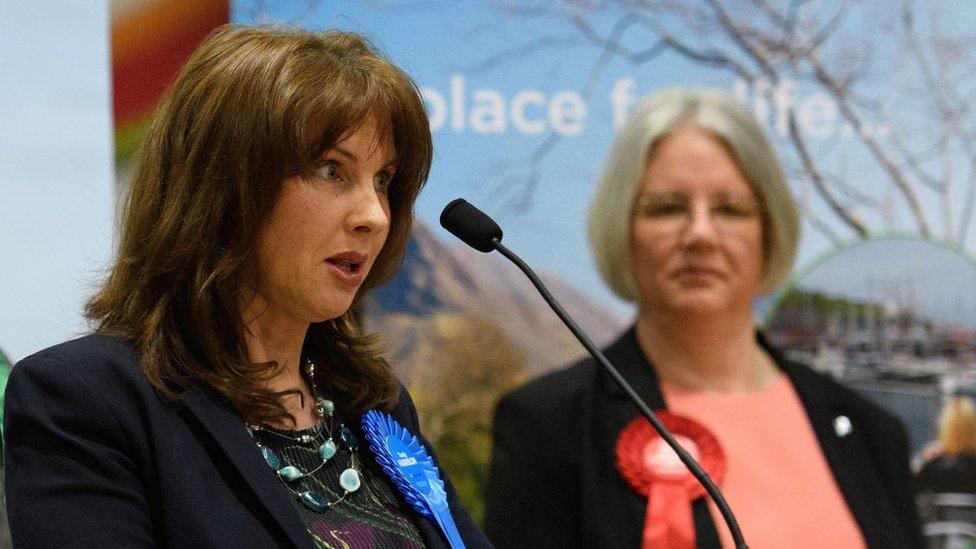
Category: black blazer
[95,457]
[554,483]
[948,473]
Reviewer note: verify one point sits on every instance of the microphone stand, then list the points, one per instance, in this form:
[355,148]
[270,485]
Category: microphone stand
[683,455]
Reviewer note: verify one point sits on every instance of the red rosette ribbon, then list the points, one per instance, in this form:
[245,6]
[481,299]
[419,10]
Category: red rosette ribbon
[653,469]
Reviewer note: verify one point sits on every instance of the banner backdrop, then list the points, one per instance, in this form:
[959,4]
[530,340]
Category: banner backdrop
[56,189]
[867,103]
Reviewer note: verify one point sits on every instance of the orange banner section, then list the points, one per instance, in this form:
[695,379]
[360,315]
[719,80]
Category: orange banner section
[149,44]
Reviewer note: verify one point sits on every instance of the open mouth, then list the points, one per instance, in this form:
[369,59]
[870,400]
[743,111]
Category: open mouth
[350,267]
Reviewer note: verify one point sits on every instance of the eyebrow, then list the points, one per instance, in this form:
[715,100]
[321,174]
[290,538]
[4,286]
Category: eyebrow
[663,194]
[348,154]
[355,159]
[679,194]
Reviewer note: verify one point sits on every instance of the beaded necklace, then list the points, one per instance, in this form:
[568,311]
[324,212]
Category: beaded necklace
[293,476]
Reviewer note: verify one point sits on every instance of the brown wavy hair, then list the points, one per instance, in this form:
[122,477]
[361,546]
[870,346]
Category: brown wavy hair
[252,107]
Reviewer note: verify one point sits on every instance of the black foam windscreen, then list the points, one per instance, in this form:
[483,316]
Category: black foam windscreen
[471,225]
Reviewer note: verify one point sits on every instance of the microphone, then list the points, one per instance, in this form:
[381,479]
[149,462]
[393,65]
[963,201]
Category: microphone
[476,229]
[471,225]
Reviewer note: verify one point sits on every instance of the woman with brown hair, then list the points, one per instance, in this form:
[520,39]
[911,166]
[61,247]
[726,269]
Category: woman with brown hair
[220,400]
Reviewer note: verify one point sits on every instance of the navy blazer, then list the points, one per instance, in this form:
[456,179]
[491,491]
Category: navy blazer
[95,457]
[554,483]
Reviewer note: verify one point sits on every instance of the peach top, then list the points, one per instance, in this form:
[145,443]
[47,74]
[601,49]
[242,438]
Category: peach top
[777,480]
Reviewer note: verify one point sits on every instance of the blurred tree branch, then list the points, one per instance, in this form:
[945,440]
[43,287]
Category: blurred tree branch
[816,45]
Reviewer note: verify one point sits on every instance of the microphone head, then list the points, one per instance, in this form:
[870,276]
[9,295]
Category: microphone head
[471,225]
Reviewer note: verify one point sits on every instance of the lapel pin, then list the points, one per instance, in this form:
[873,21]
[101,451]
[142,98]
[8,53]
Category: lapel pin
[842,426]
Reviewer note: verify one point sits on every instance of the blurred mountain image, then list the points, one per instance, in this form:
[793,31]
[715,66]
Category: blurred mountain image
[438,279]
[462,328]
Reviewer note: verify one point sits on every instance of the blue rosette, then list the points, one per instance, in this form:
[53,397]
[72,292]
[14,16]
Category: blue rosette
[406,461]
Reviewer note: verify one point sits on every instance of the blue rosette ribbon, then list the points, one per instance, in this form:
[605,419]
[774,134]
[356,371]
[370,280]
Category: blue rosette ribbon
[406,461]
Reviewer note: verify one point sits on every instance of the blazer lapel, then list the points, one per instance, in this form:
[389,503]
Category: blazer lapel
[621,510]
[626,355]
[430,532]
[222,423]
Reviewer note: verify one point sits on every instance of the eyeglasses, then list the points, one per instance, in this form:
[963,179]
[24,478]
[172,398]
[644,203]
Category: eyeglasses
[673,212]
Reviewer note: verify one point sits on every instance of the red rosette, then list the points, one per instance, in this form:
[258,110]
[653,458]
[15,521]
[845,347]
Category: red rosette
[654,470]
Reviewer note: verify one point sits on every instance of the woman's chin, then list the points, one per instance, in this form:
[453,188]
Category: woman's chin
[325,318]
[699,301]
[330,311]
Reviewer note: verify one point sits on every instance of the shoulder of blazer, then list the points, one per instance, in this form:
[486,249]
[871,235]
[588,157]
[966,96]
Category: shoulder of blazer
[824,398]
[108,365]
[101,372]
[549,397]
[552,409]
[96,355]
[562,387]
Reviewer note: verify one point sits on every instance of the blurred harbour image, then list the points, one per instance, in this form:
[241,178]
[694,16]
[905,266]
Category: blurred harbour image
[893,319]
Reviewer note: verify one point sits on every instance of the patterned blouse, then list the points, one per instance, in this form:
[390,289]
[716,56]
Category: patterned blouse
[372,516]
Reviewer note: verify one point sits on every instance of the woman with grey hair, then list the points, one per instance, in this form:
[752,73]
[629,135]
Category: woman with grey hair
[692,221]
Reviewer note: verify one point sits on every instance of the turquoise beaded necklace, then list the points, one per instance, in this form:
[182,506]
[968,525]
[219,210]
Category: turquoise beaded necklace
[291,475]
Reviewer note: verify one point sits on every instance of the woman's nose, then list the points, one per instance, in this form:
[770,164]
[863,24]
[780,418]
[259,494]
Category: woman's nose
[371,212]
[701,225]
